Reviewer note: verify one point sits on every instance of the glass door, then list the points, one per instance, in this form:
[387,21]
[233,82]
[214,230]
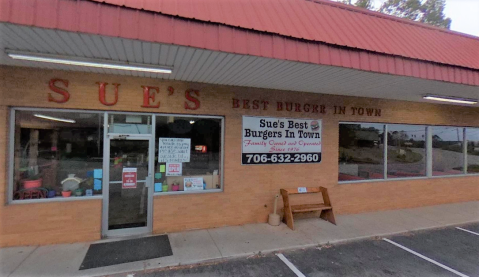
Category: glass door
[128,187]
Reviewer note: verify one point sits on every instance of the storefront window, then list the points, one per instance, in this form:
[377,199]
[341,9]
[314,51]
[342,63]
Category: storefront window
[57,154]
[447,151]
[361,151]
[472,136]
[406,151]
[188,154]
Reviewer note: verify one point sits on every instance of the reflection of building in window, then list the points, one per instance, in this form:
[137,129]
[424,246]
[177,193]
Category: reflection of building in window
[407,148]
[447,151]
[361,151]
[406,151]
[367,137]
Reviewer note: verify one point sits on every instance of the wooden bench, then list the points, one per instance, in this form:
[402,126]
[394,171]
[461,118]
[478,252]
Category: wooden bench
[325,208]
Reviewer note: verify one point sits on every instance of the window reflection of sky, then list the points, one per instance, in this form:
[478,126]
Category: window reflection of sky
[415,132]
[448,133]
[418,132]
[472,134]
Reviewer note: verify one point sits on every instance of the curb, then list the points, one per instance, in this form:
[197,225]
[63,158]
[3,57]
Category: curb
[292,248]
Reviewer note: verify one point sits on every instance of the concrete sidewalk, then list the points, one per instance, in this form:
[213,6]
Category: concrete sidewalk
[227,242]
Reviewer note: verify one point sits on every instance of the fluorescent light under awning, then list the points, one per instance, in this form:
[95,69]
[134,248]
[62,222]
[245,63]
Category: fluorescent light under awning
[87,62]
[54,118]
[451,99]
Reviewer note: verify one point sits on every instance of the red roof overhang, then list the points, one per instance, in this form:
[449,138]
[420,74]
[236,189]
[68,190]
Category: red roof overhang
[128,22]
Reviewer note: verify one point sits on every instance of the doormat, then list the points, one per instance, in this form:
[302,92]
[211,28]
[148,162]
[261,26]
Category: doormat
[126,251]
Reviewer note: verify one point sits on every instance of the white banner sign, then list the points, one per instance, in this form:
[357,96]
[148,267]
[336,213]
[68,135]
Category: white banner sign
[174,150]
[269,140]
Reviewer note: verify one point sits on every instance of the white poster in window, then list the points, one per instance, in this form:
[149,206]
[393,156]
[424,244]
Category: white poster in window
[174,150]
[193,183]
[270,140]
[174,169]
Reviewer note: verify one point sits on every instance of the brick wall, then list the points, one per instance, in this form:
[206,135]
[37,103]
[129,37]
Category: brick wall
[248,190]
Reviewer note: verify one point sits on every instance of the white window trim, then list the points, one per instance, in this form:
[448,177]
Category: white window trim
[385,152]
[187,192]
[429,160]
[428,151]
[56,199]
[11,154]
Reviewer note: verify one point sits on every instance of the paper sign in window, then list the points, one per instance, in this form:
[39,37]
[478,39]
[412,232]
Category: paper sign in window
[97,184]
[98,173]
[193,183]
[173,169]
[174,150]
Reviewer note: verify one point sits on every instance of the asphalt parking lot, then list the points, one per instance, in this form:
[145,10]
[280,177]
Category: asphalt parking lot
[441,252]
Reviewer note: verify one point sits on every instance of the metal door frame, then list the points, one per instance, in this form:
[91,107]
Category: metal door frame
[106,180]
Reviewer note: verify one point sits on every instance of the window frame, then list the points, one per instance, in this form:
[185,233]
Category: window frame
[11,152]
[426,148]
[429,149]
[222,156]
[11,158]
[464,152]
[385,129]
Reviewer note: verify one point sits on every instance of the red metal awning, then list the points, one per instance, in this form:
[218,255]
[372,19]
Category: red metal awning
[329,22]
[319,32]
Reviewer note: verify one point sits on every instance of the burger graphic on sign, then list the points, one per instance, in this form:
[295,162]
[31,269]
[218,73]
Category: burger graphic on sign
[314,126]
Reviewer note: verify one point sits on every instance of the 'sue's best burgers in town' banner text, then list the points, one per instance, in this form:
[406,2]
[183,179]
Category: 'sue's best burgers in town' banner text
[270,140]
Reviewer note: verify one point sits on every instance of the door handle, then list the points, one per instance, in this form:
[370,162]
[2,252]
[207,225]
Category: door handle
[148,180]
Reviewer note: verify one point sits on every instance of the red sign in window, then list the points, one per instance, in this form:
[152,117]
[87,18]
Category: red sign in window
[129,178]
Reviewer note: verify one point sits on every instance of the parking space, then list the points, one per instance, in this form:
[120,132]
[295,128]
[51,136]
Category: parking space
[452,247]
[265,266]
[472,227]
[364,258]
[441,252]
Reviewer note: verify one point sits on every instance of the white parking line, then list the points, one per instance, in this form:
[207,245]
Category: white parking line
[290,265]
[426,258]
[465,230]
